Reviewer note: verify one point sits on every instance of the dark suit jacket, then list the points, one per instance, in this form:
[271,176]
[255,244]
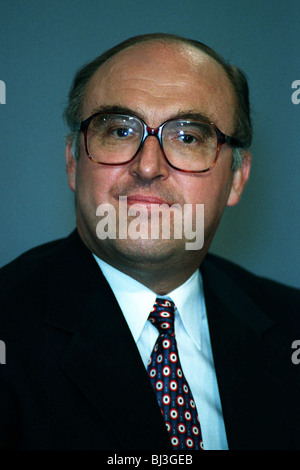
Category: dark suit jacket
[73,377]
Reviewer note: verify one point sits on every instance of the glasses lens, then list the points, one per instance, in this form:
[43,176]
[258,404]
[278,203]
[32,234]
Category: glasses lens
[113,138]
[190,145]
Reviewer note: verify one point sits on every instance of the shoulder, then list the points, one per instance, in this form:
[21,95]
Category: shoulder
[28,266]
[269,294]
[42,279]
[25,280]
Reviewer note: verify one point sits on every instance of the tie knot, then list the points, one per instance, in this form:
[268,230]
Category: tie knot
[162,316]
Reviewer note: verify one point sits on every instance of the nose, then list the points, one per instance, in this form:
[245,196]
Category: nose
[150,163]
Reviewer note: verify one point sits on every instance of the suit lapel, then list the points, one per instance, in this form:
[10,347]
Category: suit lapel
[102,358]
[249,355]
[252,364]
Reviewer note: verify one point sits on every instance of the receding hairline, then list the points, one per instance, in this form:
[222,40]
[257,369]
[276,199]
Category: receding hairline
[169,41]
[178,45]
[236,79]
[173,43]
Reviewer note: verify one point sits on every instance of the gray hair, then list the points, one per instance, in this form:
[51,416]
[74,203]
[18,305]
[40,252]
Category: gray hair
[238,80]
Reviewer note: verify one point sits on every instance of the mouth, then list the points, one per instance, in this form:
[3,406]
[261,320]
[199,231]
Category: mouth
[146,200]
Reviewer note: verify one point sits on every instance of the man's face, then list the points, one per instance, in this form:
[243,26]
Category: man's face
[156,82]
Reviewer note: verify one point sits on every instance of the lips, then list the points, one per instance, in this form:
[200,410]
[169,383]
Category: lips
[147,200]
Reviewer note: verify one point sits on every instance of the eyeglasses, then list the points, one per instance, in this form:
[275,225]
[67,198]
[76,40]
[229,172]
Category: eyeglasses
[189,146]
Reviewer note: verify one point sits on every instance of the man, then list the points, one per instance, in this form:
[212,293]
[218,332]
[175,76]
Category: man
[161,124]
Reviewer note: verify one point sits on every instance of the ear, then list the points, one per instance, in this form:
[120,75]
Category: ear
[71,164]
[239,180]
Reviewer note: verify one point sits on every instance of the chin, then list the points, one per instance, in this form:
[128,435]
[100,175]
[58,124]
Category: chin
[142,251]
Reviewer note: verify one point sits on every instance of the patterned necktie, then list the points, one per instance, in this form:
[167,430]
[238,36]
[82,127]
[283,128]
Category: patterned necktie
[172,391]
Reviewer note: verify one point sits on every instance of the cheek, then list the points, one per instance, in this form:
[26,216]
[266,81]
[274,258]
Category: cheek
[208,188]
[211,189]
[93,182]
[216,200]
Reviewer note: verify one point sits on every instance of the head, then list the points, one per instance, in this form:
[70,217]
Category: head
[157,77]
[243,126]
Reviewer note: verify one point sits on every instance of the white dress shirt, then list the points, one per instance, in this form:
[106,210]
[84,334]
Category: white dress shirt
[193,342]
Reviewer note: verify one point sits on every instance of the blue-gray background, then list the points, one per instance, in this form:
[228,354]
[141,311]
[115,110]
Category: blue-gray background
[44,42]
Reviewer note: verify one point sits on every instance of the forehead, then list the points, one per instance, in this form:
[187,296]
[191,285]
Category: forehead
[158,80]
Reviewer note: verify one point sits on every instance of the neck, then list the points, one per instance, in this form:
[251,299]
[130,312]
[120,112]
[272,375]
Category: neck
[158,278]
[161,268]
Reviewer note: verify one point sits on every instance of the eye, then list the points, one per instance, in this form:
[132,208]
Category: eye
[195,134]
[122,132]
[186,138]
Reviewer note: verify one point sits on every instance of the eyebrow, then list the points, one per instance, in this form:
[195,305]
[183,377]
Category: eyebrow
[113,109]
[190,115]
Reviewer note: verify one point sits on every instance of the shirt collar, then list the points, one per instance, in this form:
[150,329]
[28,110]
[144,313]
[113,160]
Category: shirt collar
[136,301]
[189,301]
